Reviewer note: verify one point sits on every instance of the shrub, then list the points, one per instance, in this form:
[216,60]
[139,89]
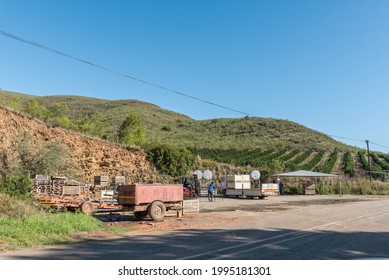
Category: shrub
[16,185]
[294,189]
[348,165]
[130,131]
[171,160]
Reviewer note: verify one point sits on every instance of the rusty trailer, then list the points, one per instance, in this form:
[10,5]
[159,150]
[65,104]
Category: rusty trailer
[150,200]
[143,200]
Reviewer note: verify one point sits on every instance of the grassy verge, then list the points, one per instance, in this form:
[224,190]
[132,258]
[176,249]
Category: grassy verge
[43,229]
[24,225]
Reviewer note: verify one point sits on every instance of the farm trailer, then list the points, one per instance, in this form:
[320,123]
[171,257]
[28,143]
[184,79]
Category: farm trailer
[241,186]
[143,200]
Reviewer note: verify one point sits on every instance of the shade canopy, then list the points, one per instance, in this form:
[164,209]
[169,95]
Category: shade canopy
[304,173]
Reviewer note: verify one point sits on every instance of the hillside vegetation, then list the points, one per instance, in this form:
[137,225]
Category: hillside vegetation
[267,144]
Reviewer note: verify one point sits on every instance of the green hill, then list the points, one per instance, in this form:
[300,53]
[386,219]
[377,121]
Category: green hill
[255,142]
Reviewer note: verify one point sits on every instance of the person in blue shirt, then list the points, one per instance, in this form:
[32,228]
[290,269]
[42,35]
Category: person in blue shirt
[281,188]
[211,188]
[186,183]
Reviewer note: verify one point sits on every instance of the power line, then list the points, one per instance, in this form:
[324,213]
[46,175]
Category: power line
[345,138]
[37,45]
[382,146]
[358,140]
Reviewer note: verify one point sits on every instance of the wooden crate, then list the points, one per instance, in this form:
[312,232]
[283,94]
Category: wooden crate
[191,206]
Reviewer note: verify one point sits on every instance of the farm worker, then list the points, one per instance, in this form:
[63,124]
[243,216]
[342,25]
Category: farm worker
[281,188]
[211,188]
[187,185]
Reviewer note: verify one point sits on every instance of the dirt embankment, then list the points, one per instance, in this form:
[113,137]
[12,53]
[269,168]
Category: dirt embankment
[95,157]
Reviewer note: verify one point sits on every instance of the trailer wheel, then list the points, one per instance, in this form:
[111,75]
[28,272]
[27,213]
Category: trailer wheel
[194,195]
[141,215]
[87,207]
[157,211]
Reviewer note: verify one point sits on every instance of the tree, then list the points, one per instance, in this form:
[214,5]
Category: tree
[171,160]
[50,158]
[58,110]
[130,131]
[56,115]
[16,184]
[53,158]
[35,110]
[92,124]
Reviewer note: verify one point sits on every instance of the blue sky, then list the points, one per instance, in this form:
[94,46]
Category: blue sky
[322,64]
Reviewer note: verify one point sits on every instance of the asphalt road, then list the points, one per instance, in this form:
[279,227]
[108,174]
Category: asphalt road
[292,228]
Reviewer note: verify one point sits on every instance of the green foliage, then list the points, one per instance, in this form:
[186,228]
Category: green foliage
[56,115]
[363,161]
[244,142]
[293,189]
[16,207]
[171,160]
[302,157]
[329,164]
[365,165]
[255,157]
[43,229]
[92,124]
[35,110]
[382,164]
[348,164]
[294,165]
[290,155]
[58,110]
[385,157]
[130,131]
[315,160]
[16,185]
[15,103]
[51,158]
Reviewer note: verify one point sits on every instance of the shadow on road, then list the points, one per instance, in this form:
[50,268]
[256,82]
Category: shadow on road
[223,244]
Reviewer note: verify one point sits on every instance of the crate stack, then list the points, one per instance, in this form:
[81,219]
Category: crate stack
[119,180]
[270,189]
[100,183]
[41,185]
[58,186]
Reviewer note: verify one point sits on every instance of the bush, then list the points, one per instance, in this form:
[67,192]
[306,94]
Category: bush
[292,189]
[171,160]
[16,185]
[16,208]
[50,158]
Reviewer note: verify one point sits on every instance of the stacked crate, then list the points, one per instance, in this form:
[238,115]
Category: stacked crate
[57,186]
[41,185]
[100,186]
[100,182]
[270,189]
[119,180]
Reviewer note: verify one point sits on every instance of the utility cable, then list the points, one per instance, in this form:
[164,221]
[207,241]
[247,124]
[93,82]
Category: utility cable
[37,45]
[345,138]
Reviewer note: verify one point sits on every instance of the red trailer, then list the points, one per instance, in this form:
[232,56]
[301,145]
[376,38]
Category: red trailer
[150,200]
[142,200]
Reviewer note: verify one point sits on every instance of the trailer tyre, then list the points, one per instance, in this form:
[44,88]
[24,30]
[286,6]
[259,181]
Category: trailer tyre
[87,207]
[157,211]
[194,196]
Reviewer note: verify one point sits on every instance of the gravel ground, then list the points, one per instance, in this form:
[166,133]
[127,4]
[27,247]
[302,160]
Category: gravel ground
[220,211]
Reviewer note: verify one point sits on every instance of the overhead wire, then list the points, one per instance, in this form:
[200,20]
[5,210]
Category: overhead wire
[37,45]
